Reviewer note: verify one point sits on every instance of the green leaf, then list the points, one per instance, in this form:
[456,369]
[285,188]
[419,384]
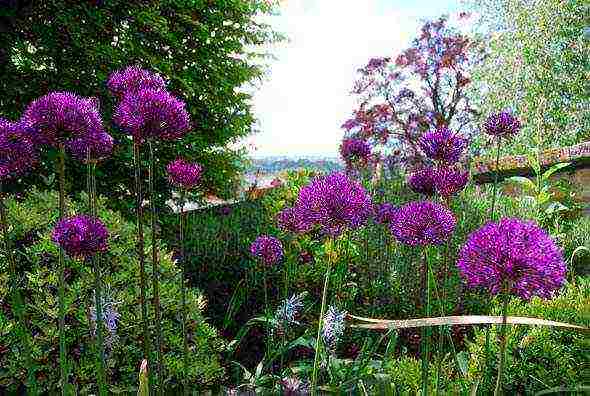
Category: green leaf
[523,181]
[547,174]
[463,360]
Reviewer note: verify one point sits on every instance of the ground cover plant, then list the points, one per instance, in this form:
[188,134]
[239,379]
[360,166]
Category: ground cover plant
[398,274]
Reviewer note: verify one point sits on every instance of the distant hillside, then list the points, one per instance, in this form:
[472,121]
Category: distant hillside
[272,165]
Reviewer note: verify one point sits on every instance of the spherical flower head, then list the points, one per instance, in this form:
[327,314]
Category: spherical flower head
[385,213]
[514,256]
[18,154]
[133,79]
[333,327]
[502,124]
[355,151]
[96,145]
[61,117]
[81,236]
[334,203]
[293,386]
[268,249]
[183,174]
[422,223]
[449,181]
[443,145]
[291,220]
[152,113]
[422,181]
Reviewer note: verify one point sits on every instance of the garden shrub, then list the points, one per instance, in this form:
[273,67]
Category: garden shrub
[31,220]
[539,357]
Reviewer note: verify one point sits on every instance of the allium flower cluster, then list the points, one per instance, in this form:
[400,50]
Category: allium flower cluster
[423,223]
[289,309]
[110,317]
[81,236]
[334,203]
[333,327]
[355,151]
[514,256]
[268,249]
[423,181]
[96,145]
[290,220]
[502,124]
[61,117]
[17,152]
[183,174]
[385,213]
[443,145]
[152,113]
[133,79]
[450,180]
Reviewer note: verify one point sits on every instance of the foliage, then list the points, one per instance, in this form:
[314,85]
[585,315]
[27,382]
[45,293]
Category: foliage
[31,220]
[423,87]
[207,50]
[536,64]
[540,357]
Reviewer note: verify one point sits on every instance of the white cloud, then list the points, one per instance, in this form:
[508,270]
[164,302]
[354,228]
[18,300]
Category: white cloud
[306,98]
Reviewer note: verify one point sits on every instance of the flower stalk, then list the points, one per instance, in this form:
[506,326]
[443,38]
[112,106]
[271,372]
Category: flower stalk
[61,274]
[502,341]
[182,223]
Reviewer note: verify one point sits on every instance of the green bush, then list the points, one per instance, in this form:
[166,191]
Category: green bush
[539,357]
[31,221]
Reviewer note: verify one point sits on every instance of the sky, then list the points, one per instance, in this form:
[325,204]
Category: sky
[306,95]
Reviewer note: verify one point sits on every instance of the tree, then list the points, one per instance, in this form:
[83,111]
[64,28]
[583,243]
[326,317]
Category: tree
[536,65]
[206,49]
[423,87]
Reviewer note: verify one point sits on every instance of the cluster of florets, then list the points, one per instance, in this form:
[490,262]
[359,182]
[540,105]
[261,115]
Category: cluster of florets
[502,124]
[290,220]
[385,213]
[450,180]
[443,145]
[333,203]
[355,152]
[333,327]
[267,249]
[110,318]
[423,223]
[133,79]
[81,236]
[183,174]
[422,181]
[64,119]
[512,256]
[18,154]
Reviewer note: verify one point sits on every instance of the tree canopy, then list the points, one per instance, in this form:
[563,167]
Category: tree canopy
[208,50]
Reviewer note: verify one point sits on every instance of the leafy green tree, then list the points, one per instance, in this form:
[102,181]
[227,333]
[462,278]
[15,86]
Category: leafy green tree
[208,50]
[537,64]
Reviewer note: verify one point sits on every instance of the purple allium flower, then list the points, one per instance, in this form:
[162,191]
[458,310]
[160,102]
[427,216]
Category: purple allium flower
[81,236]
[151,113]
[183,174]
[450,181]
[293,386]
[513,254]
[61,117]
[423,181]
[502,124]
[97,143]
[385,213]
[423,223]
[333,327]
[133,79]
[17,152]
[290,220]
[355,151]
[268,249]
[443,145]
[334,203]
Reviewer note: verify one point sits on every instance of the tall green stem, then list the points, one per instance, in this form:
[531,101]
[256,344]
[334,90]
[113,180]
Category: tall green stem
[502,340]
[316,360]
[496,174]
[100,364]
[61,275]
[18,306]
[182,221]
[426,330]
[155,269]
[141,259]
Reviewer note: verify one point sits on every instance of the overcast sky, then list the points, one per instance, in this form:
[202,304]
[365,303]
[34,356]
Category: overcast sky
[305,99]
